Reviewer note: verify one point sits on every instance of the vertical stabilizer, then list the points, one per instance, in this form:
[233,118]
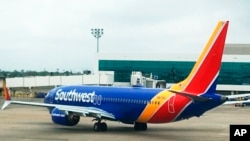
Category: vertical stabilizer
[204,74]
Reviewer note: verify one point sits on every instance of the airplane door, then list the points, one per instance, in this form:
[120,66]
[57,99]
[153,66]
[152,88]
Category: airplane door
[171,104]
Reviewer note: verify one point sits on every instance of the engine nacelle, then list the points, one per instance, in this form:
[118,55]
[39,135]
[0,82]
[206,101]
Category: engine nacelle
[61,118]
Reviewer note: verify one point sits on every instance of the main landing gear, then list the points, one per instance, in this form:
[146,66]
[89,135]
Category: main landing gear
[100,126]
[138,126]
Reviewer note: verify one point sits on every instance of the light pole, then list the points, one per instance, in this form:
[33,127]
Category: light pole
[97,32]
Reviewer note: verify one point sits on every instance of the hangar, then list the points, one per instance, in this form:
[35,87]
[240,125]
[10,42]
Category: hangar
[234,76]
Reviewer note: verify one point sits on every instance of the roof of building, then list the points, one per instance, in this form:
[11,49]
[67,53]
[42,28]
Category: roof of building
[232,53]
[237,49]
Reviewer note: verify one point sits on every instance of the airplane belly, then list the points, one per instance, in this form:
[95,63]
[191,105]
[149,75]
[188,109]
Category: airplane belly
[126,113]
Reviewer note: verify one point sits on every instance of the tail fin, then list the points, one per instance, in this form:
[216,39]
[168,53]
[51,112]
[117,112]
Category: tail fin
[6,95]
[6,91]
[203,77]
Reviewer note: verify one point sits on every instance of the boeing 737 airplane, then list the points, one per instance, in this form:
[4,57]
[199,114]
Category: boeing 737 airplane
[191,97]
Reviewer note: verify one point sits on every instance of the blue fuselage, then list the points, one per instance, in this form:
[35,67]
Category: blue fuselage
[127,104]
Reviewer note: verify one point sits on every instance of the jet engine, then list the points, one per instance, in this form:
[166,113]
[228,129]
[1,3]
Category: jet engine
[61,118]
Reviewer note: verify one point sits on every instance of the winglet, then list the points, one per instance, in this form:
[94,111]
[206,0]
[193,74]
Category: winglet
[203,76]
[6,103]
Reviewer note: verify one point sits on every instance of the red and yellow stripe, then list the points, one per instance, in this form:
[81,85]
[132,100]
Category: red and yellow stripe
[6,91]
[198,82]
[208,64]
[151,109]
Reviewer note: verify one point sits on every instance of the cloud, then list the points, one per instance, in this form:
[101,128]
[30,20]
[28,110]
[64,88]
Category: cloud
[56,34]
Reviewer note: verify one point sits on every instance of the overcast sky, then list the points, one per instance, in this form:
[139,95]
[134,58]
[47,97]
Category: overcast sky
[56,34]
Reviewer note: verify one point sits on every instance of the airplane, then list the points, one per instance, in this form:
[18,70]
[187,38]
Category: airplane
[139,106]
[239,100]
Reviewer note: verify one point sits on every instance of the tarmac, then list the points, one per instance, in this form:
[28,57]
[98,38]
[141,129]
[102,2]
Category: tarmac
[27,123]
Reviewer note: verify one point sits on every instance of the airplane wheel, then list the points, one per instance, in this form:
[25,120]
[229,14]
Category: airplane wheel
[96,127]
[140,126]
[104,126]
[100,126]
[144,126]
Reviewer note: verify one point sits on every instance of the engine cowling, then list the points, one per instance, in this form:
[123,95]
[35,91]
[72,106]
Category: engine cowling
[61,118]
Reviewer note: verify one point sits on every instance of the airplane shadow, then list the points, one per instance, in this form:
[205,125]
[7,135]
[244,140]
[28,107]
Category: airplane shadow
[151,133]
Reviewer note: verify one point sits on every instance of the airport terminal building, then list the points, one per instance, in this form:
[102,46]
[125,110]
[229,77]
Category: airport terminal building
[159,70]
[234,74]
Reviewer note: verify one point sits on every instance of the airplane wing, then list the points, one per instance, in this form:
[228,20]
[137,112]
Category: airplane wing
[232,99]
[239,95]
[238,99]
[236,102]
[79,110]
[86,111]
